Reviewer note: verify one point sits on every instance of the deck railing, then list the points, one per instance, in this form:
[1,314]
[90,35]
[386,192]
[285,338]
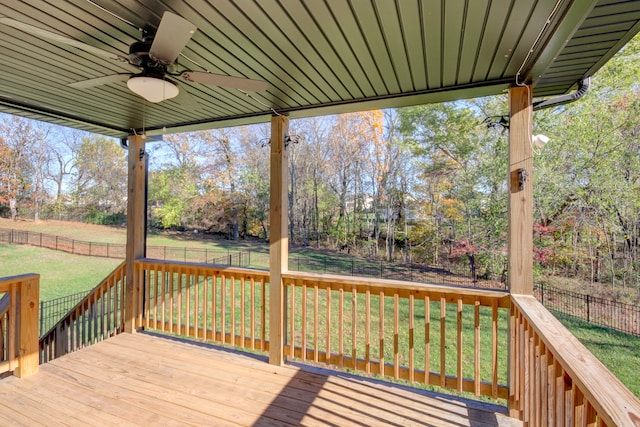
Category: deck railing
[438,335]
[95,318]
[19,324]
[222,304]
[441,326]
[555,380]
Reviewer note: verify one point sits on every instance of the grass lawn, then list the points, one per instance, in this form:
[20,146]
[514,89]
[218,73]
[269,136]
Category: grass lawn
[617,351]
[61,274]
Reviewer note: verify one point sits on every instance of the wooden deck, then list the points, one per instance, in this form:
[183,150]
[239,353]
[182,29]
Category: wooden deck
[143,379]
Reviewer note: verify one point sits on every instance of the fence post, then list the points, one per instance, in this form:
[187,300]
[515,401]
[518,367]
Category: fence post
[206,255]
[56,243]
[588,309]
[185,254]
[381,269]
[89,248]
[352,265]
[40,239]
[542,293]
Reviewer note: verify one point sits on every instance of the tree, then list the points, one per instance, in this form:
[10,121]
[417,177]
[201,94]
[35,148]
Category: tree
[17,138]
[99,179]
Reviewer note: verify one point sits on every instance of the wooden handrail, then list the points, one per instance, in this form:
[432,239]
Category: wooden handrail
[96,317]
[555,377]
[19,324]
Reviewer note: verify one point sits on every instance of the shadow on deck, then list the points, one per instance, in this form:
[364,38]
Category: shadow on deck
[146,379]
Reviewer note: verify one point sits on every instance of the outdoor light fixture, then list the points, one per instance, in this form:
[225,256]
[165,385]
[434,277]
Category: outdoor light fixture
[153,89]
[540,141]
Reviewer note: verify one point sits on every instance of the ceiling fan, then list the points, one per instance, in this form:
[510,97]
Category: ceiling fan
[155,56]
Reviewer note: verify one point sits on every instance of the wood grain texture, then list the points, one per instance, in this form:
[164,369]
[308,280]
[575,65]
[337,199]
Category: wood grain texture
[520,206]
[129,380]
[136,212]
[278,238]
[19,324]
[582,388]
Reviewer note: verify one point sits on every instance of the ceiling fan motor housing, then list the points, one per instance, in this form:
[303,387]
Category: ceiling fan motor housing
[139,53]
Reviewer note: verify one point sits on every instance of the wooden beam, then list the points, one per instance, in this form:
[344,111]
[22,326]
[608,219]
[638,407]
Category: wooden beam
[136,227]
[28,337]
[520,187]
[278,238]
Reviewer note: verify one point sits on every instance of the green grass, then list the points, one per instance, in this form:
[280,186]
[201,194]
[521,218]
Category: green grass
[61,274]
[619,352]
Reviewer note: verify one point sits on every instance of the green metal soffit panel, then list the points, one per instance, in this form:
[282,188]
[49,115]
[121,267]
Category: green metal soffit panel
[313,56]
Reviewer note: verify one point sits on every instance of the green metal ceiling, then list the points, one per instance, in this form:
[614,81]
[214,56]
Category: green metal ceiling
[317,56]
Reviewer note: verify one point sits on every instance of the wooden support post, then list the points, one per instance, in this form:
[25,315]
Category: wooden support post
[278,239]
[136,227]
[28,336]
[520,228]
[520,187]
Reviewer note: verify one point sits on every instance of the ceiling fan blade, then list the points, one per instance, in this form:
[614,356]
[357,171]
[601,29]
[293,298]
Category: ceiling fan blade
[57,38]
[172,36]
[98,81]
[224,81]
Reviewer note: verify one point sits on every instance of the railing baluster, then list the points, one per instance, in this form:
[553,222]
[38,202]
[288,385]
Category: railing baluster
[179,303]
[223,308]
[263,314]
[163,298]
[427,338]
[171,300]
[232,332]
[214,306]
[188,276]
[252,289]
[459,344]
[494,349]
[303,343]
[411,338]
[341,326]
[367,331]
[396,335]
[156,296]
[196,306]
[476,346]
[242,311]
[292,319]
[205,306]
[354,327]
[13,315]
[328,325]
[443,317]
[381,332]
[316,305]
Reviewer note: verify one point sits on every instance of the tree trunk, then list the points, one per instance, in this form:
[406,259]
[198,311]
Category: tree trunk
[13,203]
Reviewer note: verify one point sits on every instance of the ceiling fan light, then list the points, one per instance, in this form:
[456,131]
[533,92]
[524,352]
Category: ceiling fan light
[153,89]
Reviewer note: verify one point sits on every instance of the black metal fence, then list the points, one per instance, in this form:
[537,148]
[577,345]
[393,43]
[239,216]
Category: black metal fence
[451,274]
[599,311]
[52,311]
[118,250]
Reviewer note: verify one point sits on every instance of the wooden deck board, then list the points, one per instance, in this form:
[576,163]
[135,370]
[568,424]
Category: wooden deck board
[142,379]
